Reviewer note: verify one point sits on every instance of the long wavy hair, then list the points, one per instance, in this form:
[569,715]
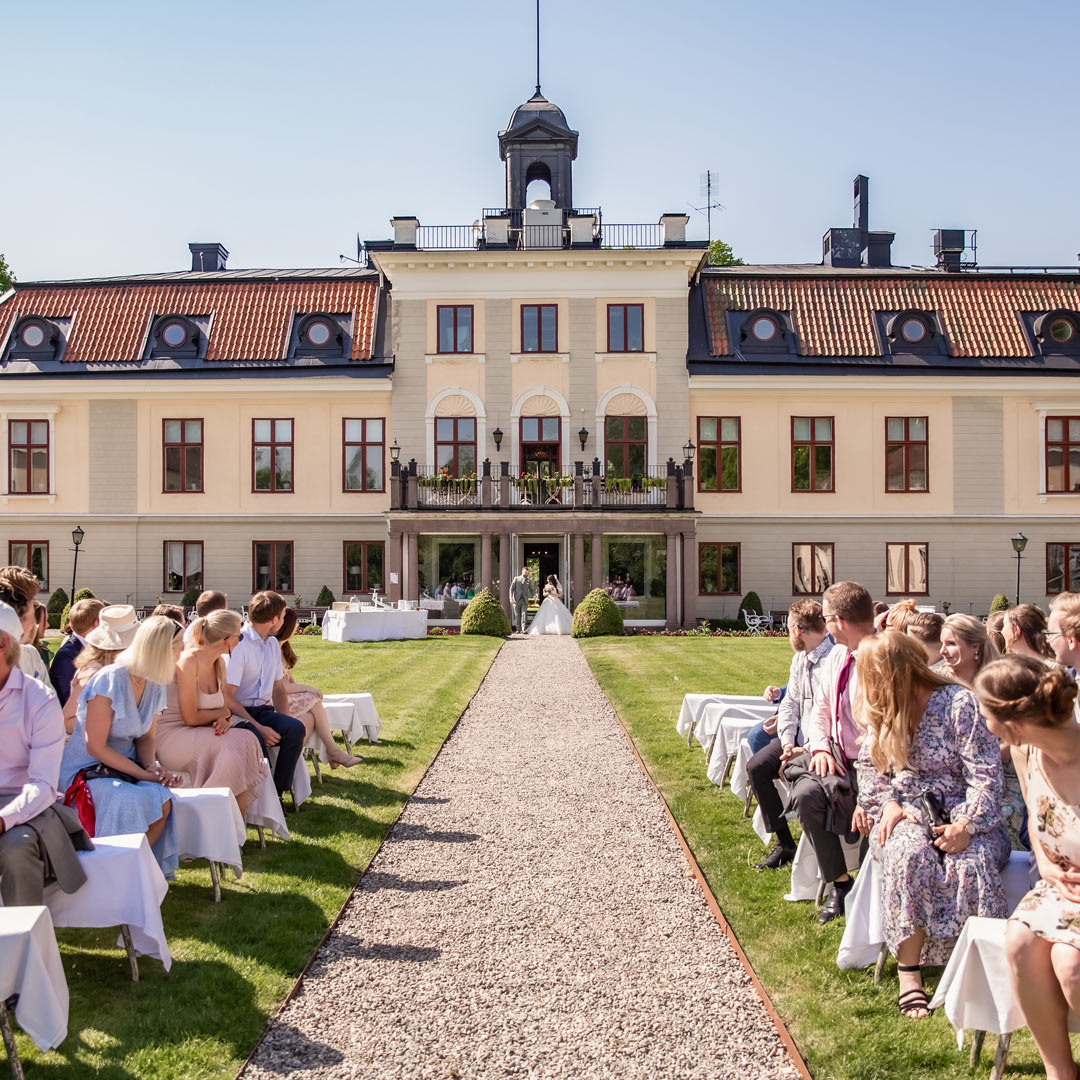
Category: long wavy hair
[892,670]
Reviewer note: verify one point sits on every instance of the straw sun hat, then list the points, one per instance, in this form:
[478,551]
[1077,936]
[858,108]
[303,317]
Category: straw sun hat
[116,627]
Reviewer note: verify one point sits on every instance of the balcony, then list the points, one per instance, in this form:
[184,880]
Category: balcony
[420,488]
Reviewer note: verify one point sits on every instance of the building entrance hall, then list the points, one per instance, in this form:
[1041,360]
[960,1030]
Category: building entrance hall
[544,557]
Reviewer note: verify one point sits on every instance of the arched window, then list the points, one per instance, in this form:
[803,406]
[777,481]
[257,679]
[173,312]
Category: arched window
[537,182]
[318,334]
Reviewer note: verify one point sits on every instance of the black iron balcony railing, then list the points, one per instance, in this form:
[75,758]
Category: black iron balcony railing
[418,487]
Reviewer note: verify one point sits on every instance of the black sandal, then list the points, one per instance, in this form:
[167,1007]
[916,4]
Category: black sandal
[914,999]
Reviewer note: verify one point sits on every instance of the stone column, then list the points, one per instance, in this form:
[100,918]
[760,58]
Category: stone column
[597,562]
[413,569]
[485,558]
[690,580]
[578,584]
[392,589]
[672,614]
[504,572]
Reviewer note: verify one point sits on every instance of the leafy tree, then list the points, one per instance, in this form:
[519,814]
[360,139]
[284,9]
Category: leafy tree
[7,278]
[720,254]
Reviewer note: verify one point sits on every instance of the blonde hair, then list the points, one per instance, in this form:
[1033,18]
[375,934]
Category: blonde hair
[84,615]
[91,654]
[900,615]
[976,635]
[1021,688]
[214,627]
[150,654]
[1067,605]
[994,623]
[892,669]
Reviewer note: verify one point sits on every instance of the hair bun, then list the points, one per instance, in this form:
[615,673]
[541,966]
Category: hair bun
[1056,691]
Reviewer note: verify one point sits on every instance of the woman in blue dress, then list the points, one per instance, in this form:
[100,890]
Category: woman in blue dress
[114,727]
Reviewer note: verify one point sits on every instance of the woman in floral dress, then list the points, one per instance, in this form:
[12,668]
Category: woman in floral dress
[923,733]
[1030,705]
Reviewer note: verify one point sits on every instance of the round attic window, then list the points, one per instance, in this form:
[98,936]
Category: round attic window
[764,329]
[174,334]
[32,336]
[913,331]
[317,332]
[1062,330]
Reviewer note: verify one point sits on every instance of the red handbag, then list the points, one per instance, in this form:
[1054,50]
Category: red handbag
[78,795]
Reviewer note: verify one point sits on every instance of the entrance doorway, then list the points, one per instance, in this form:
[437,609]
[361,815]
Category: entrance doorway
[542,557]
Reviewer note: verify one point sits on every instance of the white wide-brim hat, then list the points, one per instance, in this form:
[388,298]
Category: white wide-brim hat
[10,623]
[116,628]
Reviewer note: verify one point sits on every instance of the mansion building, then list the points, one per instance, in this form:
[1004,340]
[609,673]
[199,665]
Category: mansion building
[544,386]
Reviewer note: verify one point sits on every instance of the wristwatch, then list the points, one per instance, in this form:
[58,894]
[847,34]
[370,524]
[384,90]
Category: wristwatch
[969,825]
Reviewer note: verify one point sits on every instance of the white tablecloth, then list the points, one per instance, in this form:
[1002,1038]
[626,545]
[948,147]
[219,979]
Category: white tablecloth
[732,723]
[806,877]
[975,990]
[384,625]
[30,967]
[364,720]
[124,884]
[693,705]
[265,809]
[209,825]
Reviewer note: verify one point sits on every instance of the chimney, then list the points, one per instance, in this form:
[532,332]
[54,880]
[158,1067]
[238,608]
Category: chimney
[858,246]
[948,247]
[405,229]
[862,203]
[207,256]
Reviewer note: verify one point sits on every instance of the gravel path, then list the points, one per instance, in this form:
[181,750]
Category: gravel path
[530,915]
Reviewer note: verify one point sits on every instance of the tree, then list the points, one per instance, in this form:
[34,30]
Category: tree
[7,278]
[720,254]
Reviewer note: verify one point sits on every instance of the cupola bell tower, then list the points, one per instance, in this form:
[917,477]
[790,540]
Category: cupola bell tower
[538,144]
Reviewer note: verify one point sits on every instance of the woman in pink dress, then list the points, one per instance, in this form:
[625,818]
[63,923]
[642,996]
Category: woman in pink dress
[194,731]
[305,702]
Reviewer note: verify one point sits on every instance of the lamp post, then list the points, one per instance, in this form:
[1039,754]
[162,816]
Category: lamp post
[395,450]
[1019,542]
[688,450]
[77,535]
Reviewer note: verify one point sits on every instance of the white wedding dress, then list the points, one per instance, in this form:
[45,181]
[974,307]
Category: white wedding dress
[553,617]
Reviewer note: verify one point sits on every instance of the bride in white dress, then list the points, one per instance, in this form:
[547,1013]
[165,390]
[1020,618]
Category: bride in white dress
[553,616]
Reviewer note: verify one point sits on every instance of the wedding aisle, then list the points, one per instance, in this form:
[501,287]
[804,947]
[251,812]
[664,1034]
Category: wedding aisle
[530,915]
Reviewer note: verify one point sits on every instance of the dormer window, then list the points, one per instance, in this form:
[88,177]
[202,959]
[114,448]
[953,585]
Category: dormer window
[319,334]
[174,337]
[913,332]
[1057,331]
[762,330]
[34,338]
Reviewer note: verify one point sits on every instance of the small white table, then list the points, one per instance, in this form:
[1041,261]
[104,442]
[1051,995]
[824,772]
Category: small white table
[384,624]
[209,825]
[30,967]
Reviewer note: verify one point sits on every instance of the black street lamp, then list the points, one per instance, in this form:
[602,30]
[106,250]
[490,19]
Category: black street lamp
[77,535]
[583,436]
[497,435]
[1019,542]
[395,450]
[688,450]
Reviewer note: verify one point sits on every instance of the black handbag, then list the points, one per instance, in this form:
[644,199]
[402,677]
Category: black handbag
[933,815]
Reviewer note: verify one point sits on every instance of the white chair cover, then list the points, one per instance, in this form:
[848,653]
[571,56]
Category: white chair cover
[363,721]
[30,967]
[693,705]
[805,875]
[209,825]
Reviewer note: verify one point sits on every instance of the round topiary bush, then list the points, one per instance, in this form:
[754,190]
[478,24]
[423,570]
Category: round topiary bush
[325,597]
[999,603]
[751,602]
[597,616]
[485,615]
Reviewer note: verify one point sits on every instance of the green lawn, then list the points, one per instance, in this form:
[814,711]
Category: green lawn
[234,962]
[844,1026]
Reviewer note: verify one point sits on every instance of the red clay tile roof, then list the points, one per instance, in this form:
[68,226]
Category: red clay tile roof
[834,315]
[251,319]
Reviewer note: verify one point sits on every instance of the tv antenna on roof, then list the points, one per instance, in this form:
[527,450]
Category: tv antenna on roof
[709,180]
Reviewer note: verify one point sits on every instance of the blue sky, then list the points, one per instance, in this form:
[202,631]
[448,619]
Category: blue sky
[282,130]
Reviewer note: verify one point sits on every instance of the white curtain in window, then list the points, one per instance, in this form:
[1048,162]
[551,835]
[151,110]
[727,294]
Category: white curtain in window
[175,555]
[895,568]
[194,560]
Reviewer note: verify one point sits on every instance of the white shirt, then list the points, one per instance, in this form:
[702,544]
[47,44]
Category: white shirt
[31,663]
[254,667]
[31,744]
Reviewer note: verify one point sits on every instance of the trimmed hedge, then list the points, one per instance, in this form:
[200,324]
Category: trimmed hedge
[55,607]
[750,602]
[187,601]
[325,597]
[999,603]
[485,615]
[597,615]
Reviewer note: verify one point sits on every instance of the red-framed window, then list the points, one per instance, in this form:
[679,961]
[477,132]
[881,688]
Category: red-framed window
[28,457]
[31,555]
[812,457]
[1062,453]
[183,565]
[272,566]
[539,328]
[455,445]
[1062,568]
[626,328]
[455,328]
[718,569]
[541,445]
[182,455]
[363,565]
[907,455]
[363,454]
[812,570]
[272,455]
[626,444]
[907,569]
[719,453]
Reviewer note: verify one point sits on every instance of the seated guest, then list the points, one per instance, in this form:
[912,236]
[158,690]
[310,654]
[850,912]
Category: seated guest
[117,624]
[82,618]
[255,687]
[925,628]
[994,624]
[195,733]
[211,600]
[41,624]
[924,734]
[38,836]
[1030,707]
[171,611]
[112,749]
[831,735]
[811,644]
[1063,630]
[305,702]
[19,588]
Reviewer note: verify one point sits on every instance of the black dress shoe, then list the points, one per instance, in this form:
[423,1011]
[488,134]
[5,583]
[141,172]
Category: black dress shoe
[779,856]
[834,905]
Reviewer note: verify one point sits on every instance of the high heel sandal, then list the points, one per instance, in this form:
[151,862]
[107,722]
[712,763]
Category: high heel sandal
[910,1001]
[346,761]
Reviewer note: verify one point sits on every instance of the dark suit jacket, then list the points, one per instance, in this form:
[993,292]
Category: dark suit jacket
[63,668]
